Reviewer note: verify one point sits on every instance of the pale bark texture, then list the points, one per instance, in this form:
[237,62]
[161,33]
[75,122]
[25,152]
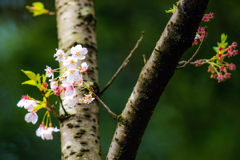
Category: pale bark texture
[174,41]
[76,24]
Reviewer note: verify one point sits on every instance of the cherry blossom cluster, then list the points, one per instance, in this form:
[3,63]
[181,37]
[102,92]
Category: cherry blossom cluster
[71,78]
[207,17]
[29,104]
[32,107]
[218,67]
[201,33]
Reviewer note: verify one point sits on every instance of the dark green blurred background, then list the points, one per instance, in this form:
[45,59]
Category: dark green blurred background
[196,118]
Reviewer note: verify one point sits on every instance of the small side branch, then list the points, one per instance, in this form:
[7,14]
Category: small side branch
[185,63]
[122,66]
[61,104]
[108,109]
[144,59]
[52,110]
[50,13]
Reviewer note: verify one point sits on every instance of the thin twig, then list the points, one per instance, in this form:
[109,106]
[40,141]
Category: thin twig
[122,66]
[144,59]
[62,105]
[108,109]
[194,63]
[186,63]
[51,109]
[50,13]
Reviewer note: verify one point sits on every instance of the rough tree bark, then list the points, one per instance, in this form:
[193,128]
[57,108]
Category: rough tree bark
[174,41]
[79,133]
[76,24]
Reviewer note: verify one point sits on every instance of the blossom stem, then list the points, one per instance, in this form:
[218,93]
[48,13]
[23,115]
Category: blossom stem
[47,119]
[50,121]
[44,117]
[87,78]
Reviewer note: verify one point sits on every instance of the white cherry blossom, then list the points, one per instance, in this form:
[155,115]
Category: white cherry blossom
[70,100]
[72,75]
[29,105]
[22,102]
[88,98]
[46,133]
[79,52]
[69,88]
[31,117]
[70,63]
[60,55]
[80,81]
[49,72]
[39,131]
[83,67]
[53,84]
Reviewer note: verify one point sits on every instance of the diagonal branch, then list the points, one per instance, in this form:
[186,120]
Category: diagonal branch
[155,75]
[125,62]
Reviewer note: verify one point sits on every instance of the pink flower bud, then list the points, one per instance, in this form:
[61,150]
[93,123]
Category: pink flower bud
[224,69]
[211,69]
[231,66]
[220,78]
[229,49]
[220,48]
[25,97]
[234,44]
[213,75]
[235,52]
[205,19]
[229,54]
[227,76]
[45,85]
[195,42]
[201,29]
[210,15]
[219,55]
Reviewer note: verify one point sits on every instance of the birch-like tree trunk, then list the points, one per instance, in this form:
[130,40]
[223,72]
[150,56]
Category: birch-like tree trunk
[76,24]
[79,133]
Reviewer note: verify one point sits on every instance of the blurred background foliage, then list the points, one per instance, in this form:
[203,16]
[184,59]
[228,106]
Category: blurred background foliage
[196,118]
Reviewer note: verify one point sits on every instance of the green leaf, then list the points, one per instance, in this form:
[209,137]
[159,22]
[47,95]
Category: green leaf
[223,38]
[30,74]
[39,81]
[215,49]
[39,106]
[172,9]
[37,9]
[38,5]
[44,77]
[30,82]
